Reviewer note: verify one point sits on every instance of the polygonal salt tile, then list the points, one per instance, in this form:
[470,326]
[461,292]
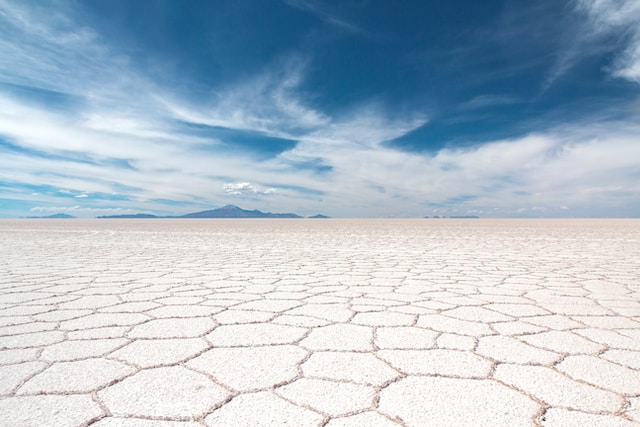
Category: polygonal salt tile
[517,327]
[584,307]
[507,349]
[272,306]
[99,320]
[99,333]
[259,289]
[130,307]
[184,311]
[628,358]
[433,305]
[93,301]
[80,349]
[340,337]
[11,376]
[287,295]
[362,368]
[158,352]
[601,373]
[36,339]
[477,314]
[517,310]
[633,411]
[610,338]
[173,328]
[452,363]
[553,321]
[141,422]
[102,290]
[22,311]
[176,300]
[27,328]
[251,368]
[455,402]
[296,320]
[236,317]
[18,355]
[411,309]
[255,334]
[608,322]
[330,312]
[375,302]
[631,333]
[173,392]
[566,418]
[562,342]
[60,411]
[368,418]
[329,397]
[138,296]
[456,342]
[76,377]
[384,318]
[441,323]
[361,308]
[394,296]
[262,409]
[59,315]
[13,320]
[462,301]
[556,389]
[405,337]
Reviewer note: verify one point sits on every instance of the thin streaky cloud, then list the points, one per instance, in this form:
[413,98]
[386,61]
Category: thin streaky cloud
[320,10]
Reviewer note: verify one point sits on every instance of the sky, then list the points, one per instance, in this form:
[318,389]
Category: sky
[349,108]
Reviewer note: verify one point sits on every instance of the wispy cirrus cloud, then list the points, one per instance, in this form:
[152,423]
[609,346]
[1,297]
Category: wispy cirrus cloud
[322,11]
[604,27]
[489,100]
[267,102]
[620,19]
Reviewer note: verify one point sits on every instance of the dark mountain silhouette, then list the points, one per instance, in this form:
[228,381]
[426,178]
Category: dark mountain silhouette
[131,216]
[54,216]
[319,216]
[231,211]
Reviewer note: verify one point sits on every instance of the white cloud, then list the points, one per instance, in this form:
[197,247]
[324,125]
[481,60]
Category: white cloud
[489,100]
[241,188]
[267,102]
[620,17]
[321,11]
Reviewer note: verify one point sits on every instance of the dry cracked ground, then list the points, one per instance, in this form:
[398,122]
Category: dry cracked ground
[185,323]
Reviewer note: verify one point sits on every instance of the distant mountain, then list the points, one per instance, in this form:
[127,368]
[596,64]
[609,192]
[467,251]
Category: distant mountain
[319,216]
[129,216]
[54,216]
[231,211]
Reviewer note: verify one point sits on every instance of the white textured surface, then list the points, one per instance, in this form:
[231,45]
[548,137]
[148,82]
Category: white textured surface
[173,323]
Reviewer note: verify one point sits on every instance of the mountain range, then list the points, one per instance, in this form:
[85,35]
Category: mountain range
[229,211]
[54,216]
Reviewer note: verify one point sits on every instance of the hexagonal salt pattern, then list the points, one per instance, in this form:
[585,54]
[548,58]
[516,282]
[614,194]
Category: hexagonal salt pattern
[313,323]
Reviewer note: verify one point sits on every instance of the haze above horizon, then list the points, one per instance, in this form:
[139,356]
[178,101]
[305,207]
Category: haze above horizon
[359,108]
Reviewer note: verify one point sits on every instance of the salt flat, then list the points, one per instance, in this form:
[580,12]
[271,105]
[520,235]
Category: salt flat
[319,322]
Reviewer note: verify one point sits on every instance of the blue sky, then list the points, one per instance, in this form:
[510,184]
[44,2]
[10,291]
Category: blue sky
[348,108]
